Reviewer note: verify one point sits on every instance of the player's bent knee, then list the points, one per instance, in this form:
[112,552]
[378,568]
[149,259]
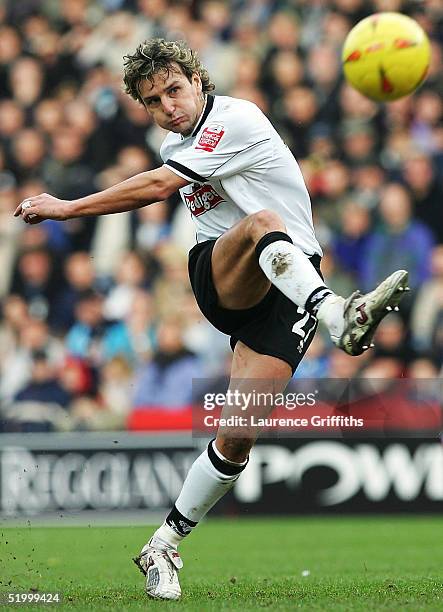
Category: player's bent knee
[265,221]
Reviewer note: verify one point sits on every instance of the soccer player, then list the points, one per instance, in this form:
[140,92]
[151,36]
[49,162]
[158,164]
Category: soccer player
[255,270]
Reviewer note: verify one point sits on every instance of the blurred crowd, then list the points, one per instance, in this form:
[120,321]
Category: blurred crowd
[97,315]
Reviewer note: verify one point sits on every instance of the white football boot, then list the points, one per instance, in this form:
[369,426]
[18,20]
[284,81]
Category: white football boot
[363,313]
[160,566]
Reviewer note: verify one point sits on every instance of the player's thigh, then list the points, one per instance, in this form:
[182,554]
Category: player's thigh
[247,364]
[238,279]
[255,379]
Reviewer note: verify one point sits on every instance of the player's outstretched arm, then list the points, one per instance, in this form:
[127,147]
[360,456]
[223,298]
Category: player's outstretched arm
[139,190]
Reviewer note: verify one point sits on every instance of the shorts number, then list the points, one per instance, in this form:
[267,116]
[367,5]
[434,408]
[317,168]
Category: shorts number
[304,327]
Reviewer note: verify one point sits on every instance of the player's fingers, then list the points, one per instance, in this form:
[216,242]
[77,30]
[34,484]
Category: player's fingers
[18,211]
[29,210]
[34,219]
[27,213]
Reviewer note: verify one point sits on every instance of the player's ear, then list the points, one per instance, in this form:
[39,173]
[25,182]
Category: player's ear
[197,80]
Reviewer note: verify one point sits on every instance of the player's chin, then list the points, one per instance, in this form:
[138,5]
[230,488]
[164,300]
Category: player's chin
[183,128]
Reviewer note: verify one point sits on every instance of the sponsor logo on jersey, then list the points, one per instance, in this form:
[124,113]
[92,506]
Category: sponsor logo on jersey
[210,137]
[201,199]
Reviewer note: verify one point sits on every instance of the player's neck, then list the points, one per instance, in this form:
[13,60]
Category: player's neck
[203,103]
[204,100]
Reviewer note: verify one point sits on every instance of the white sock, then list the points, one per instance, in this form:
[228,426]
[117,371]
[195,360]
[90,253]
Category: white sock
[204,485]
[166,537]
[330,313]
[290,270]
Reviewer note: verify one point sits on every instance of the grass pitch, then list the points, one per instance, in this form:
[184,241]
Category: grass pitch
[364,563]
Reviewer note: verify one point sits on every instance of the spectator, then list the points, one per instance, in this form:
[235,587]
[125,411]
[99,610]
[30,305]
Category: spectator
[14,316]
[336,277]
[10,49]
[26,81]
[140,324]
[391,340]
[423,368]
[322,145]
[93,338]
[79,275]
[65,172]
[36,280]
[201,338]
[130,276]
[351,241]
[115,388]
[286,72]
[427,193]
[33,337]
[153,226]
[10,231]
[368,180]
[110,408]
[28,151]
[428,115]
[43,386]
[76,378]
[296,117]
[117,34]
[167,380]
[428,305]
[48,116]
[12,119]
[399,241]
[359,144]
[323,70]
[333,191]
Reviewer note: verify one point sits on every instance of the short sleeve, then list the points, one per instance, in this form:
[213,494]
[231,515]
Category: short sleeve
[234,140]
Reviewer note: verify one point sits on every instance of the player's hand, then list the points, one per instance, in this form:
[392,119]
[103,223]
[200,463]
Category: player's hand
[44,206]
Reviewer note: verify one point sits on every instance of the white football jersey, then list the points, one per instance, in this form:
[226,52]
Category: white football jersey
[239,165]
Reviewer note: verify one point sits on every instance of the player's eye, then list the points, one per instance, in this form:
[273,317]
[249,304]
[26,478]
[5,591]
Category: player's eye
[174,90]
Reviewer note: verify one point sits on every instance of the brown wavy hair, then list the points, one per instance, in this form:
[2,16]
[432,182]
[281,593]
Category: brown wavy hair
[156,56]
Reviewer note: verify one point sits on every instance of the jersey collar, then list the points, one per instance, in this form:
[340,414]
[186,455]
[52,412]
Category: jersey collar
[206,110]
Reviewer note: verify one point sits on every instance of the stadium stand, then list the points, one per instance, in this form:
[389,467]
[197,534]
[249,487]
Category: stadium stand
[97,315]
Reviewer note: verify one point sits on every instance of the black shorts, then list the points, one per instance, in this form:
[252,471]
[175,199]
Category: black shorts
[275,326]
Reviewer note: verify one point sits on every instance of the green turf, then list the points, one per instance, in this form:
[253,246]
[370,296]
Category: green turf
[365,563]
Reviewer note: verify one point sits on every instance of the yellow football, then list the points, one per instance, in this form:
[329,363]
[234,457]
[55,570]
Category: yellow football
[386,56]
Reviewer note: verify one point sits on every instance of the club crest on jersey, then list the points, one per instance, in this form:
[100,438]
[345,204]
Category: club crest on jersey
[210,137]
[201,199]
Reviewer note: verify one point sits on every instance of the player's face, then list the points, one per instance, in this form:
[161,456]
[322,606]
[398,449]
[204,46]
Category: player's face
[173,102]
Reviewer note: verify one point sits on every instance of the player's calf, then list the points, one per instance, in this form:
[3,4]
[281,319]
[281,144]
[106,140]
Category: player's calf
[234,449]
